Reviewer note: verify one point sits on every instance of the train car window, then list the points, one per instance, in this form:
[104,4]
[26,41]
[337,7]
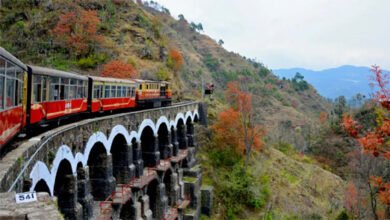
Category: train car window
[97,91]
[113,91]
[54,88]
[19,75]
[64,89]
[85,89]
[10,85]
[73,87]
[129,94]
[44,88]
[107,91]
[37,88]
[124,88]
[118,91]
[2,81]
[140,86]
[133,91]
[79,89]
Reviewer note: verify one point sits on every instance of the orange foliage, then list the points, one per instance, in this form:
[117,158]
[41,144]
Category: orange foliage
[119,69]
[351,198]
[175,60]
[375,140]
[383,189]
[350,125]
[235,126]
[323,117]
[77,31]
[240,101]
[230,132]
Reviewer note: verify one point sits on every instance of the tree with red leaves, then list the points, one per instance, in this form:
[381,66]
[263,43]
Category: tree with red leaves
[175,60]
[236,126]
[351,202]
[119,69]
[375,140]
[77,31]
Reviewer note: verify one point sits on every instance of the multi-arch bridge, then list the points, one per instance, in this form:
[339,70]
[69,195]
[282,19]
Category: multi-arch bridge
[136,165]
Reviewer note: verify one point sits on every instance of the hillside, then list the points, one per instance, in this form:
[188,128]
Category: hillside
[299,189]
[143,37]
[152,42]
[344,80]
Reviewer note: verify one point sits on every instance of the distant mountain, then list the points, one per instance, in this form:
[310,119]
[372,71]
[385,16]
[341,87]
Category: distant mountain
[344,80]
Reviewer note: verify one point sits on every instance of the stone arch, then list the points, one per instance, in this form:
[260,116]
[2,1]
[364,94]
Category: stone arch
[100,172]
[65,189]
[188,115]
[162,121]
[165,148]
[146,123]
[128,210]
[181,134]
[96,138]
[42,186]
[121,159]
[196,117]
[149,147]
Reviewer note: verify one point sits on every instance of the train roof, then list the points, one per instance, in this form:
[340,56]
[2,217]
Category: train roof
[11,58]
[113,80]
[150,81]
[56,73]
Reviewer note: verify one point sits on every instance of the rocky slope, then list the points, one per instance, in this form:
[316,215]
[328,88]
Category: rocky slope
[299,190]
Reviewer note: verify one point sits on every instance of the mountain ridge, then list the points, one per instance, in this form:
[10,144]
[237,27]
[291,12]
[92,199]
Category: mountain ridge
[359,78]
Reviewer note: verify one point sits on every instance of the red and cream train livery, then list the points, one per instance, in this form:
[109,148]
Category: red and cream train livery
[31,95]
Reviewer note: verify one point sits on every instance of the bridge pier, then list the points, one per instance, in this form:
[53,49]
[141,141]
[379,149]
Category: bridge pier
[146,212]
[101,175]
[174,142]
[84,196]
[67,198]
[138,161]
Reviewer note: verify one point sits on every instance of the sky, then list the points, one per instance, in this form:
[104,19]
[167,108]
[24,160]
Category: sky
[314,34]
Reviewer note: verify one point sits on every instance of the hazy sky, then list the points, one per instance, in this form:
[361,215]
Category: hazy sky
[314,34]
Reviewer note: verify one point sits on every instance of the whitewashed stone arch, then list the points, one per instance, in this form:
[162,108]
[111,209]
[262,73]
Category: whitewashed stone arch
[160,121]
[178,117]
[146,123]
[117,130]
[195,114]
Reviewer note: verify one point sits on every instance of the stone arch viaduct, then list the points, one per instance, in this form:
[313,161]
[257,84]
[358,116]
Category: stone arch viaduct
[136,165]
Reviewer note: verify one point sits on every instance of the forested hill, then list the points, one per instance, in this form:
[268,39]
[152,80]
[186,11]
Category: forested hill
[86,36]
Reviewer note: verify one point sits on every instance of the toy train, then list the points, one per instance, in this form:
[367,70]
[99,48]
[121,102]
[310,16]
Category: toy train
[33,96]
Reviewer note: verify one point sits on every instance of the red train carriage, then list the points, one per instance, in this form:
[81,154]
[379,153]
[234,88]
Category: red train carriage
[153,93]
[111,94]
[13,89]
[56,94]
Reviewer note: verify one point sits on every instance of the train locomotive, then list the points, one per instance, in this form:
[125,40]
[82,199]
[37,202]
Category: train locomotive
[35,96]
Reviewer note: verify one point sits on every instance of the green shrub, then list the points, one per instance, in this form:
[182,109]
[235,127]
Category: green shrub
[227,157]
[211,63]
[343,216]
[91,61]
[163,74]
